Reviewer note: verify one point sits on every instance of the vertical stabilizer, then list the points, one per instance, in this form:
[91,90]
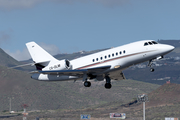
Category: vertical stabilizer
[38,54]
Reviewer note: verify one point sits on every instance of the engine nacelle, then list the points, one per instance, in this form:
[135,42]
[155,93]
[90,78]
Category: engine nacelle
[160,57]
[60,65]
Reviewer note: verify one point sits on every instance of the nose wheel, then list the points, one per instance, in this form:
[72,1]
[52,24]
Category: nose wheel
[152,69]
[150,64]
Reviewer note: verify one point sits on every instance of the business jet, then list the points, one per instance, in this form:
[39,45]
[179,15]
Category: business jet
[104,65]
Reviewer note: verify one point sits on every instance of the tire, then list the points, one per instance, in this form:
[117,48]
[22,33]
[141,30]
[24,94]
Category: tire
[108,85]
[87,84]
[152,69]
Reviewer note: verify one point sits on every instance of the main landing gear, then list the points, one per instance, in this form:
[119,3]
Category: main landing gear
[108,82]
[150,65]
[88,84]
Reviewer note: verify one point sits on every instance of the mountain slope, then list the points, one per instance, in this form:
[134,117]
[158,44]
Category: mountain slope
[163,102]
[7,60]
[164,95]
[39,95]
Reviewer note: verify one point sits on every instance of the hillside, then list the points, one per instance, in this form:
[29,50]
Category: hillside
[7,60]
[167,94]
[62,95]
[163,102]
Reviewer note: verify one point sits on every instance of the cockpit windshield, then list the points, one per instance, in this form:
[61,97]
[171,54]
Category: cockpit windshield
[150,43]
[145,43]
[154,42]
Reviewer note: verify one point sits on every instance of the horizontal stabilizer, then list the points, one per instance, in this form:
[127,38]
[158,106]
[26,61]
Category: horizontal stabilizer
[29,64]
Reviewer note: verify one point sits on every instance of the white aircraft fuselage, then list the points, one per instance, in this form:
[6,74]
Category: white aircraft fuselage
[107,64]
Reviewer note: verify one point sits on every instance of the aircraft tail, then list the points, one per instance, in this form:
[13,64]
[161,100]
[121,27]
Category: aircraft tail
[40,57]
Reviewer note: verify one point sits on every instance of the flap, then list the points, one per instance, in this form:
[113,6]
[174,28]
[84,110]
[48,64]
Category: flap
[117,75]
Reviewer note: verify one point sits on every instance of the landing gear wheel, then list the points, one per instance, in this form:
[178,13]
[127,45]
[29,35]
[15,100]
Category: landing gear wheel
[87,84]
[152,69]
[108,85]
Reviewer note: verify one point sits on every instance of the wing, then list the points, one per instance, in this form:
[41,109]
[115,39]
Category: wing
[115,75]
[92,71]
[65,72]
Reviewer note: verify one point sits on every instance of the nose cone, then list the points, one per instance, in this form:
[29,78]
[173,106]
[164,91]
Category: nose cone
[170,48]
[165,49]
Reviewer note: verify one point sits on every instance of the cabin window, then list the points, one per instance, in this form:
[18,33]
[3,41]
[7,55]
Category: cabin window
[120,52]
[93,60]
[101,58]
[105,57]
[116,53]
[96,59]
[113,54]
[109,56]
[124,51]
[145,44]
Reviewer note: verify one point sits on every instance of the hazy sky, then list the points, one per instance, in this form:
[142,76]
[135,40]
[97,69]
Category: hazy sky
[67,26]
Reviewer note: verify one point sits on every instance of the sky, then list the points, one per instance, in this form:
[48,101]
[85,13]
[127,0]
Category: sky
[68,26]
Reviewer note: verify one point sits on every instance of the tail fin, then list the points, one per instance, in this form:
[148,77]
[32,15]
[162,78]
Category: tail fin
[38,54]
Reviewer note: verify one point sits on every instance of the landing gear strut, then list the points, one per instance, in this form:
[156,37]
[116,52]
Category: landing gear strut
[108,83]
[150,65]
[86,83]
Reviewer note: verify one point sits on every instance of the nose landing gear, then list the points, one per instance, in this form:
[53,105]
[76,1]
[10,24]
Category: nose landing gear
[152,69]
[150,65]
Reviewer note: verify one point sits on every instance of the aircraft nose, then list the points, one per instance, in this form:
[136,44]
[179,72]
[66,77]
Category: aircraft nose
[167,48]
[170,48]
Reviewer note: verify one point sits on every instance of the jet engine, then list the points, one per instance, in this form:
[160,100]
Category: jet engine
[60,65]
